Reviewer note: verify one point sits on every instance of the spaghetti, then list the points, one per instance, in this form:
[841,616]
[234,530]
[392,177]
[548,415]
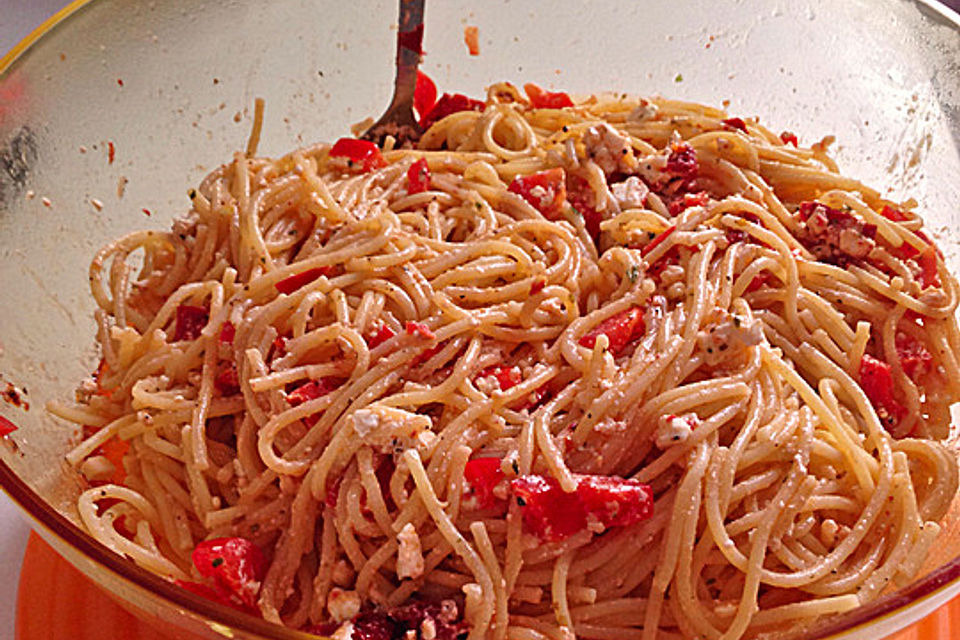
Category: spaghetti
[611,369]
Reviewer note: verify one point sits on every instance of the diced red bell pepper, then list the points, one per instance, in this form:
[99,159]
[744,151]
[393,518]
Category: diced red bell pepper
[764,277]
[620,330]
[312,390]
[735,123]
[552,514]
[279,346]
[540,99]
[876,378]
[214,593]
[507,377]
[928,268]
[227,382]
[546,191]
[615,502]
[682,161]
[482,475]
[227,332]
[896,215]
[657,241]
[905,251]
[421,329]
[418,176]
[333,492]
[537,286]
[360,153]
[114,450]
[190,322]
[789,138]
[426,354]
[688,200]
[236,564]
[424,94]
[448,104]
[6,427]
[914,357]
[381,335]
[291,283]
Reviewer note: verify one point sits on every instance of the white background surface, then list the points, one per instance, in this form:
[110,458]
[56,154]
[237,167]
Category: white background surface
[17,19]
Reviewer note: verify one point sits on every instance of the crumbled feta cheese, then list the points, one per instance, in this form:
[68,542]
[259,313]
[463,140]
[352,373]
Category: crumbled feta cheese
[409,554]
[382,426]
[428,629]
[343,605]
[673,429]
[609,149]
[644,111]
[344,631]
[631,193]
[365,421]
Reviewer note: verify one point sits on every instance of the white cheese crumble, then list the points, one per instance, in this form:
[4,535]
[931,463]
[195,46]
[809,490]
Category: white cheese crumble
[673,429]
[343,605]
[631,193]
[409,554]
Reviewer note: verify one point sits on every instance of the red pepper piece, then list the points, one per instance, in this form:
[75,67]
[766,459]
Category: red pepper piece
[360,153]
[877,382]
[540,99]
[895,215]
[6,427]
[382,334]
[905,251]
[615,502]
[312,390]
[914,357]
[291,283]
[765,277]
[214,593]
[421,329]
[227,332]
[688,200]
[448,104]
[113,450]
[546,191]
[227,382]
[620,330]
[537,286]
[418,176]
[506,377]
[482,475]
[682,161]
[789,138]
[928,268]
[548,511]
[427,354]
[424,94]
[236,564]
[735,123]
[552,514]
[657,240]
[190,322]
[333,492]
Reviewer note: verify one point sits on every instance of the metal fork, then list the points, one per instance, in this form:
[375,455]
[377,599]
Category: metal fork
[398,120]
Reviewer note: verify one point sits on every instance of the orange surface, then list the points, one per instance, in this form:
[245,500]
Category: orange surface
[57,601]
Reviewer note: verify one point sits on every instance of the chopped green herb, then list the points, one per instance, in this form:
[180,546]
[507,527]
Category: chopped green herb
[679,78]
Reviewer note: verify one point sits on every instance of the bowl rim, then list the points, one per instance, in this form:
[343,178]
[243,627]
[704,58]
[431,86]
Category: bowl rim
[52,523]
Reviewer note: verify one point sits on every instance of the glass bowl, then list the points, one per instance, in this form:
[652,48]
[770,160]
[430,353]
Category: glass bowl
[114,108]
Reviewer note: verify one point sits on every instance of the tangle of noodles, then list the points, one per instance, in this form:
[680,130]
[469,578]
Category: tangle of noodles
[641,291]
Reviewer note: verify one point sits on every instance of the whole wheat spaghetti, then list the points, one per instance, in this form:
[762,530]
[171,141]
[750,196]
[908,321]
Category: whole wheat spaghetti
[612,369]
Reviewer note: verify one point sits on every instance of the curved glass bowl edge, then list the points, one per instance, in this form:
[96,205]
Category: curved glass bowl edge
[147,593]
